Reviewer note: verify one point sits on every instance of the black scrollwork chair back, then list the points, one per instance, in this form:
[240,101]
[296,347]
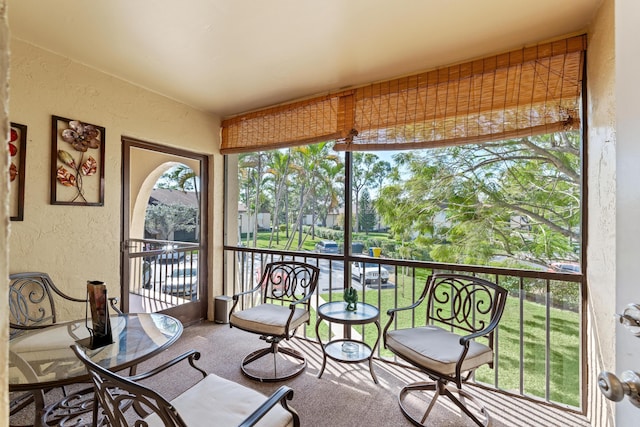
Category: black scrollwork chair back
[32,305]
[212,400]
[32,301]
[461,314]
[282,301]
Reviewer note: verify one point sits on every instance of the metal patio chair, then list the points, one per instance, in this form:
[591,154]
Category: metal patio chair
[123,401]
[458,310]
[285,289]
[32,305]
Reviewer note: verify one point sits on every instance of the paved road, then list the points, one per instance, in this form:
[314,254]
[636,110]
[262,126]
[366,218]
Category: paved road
[332,275]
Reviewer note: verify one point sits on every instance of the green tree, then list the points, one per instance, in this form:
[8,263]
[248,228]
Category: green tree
[311,161]
[368,172]
[517,199]
[162,220]
[279,169]
[331,194]
[367,218]
[252,171]
[181,177]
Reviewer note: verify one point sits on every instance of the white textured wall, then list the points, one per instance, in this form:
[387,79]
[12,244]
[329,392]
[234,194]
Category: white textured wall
[4,214]
[72,243]
[627,93]
[601,250]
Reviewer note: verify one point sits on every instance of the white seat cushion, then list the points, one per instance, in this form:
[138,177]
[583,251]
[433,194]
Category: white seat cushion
[268,319]
[215,401]
[437,349]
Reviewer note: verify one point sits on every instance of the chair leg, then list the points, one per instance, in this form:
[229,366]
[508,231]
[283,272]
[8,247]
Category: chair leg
[291,352]
[440,388]
[460,403]
[275,376]
[17,404]
[251,357]
[77,409]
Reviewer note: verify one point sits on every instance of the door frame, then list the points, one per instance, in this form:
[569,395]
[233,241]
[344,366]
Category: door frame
[194,311]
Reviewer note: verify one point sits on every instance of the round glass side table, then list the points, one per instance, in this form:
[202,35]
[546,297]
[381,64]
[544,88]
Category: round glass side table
[347,350]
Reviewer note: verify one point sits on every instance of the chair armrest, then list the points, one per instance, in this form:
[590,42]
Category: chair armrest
[300,301]
[191,355]
[280,396]
[46,279]
[236,298]
[250,291]
[292,307]
[69,298]
[26,328]
[486,331]
[113,301]
[392,312]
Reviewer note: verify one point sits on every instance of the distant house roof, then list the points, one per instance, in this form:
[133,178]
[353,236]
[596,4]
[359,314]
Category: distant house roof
[167,196]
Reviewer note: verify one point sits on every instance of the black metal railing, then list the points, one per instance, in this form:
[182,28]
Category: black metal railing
[163,271]
[540,341]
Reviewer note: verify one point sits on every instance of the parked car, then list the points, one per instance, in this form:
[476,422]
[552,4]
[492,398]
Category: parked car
[327,247]
[175,279]
[170,254]
[566,267]
[368,272]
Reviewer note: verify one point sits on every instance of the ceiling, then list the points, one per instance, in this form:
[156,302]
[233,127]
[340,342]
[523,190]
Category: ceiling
[230,56]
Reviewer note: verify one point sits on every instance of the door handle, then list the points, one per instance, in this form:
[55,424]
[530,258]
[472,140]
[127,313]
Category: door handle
[615,388]
[612,387]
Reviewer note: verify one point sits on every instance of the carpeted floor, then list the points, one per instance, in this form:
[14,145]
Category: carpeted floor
[345,395]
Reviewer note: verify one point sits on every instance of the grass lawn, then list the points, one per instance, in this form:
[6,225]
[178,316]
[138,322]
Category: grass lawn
[263,241]
[308,243]
[564,344]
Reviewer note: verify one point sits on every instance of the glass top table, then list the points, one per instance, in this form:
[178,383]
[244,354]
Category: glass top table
[348,350]
[42,358]
[336,312]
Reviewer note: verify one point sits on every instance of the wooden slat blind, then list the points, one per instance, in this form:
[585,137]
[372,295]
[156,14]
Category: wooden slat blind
[525,92]
[299,123]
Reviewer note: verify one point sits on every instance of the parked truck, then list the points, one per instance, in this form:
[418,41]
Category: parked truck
[369,272]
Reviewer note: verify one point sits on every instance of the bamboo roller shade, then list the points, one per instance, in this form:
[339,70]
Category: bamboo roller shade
[530,91]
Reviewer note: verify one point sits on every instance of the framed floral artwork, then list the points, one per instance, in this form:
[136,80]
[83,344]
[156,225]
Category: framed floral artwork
[17,146]
[77,162]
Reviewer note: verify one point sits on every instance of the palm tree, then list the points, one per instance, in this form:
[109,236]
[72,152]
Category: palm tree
[184,178]
[252,173]
[187,179]
[279,168]
[310,173]
[332,190]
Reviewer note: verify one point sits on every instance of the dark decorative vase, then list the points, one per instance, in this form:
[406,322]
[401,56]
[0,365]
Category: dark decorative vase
[98,311]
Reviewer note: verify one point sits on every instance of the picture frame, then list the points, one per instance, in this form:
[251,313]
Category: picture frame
[17,146]
[77,162]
